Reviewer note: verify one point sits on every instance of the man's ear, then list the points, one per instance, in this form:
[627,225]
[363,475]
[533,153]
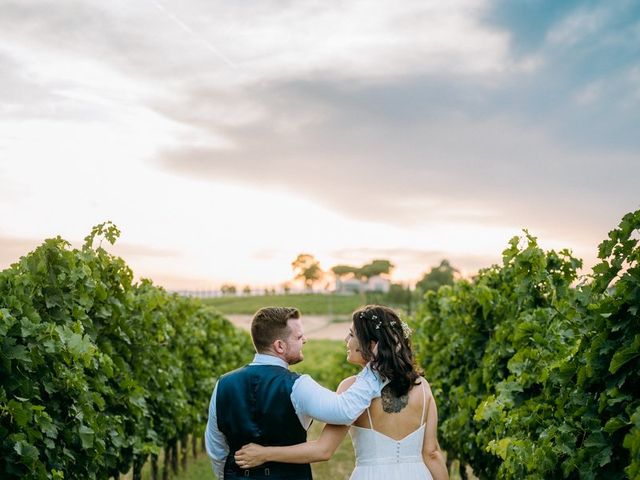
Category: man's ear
[279,346]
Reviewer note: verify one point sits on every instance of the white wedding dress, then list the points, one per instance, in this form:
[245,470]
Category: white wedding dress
[380,457]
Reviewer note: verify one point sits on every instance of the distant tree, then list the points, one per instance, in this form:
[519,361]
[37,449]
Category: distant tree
[343,270]
[286,287]
[399,294]
[228,289]
[246,290]
[363,273]
[307,268]
[375,268]
[443,274]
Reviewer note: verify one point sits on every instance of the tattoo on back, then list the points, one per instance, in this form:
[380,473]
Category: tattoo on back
[391,403]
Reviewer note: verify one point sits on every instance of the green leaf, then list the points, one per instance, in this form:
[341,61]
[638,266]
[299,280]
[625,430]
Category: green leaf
[27,452]
[21,412]
[615,424]
[87,436]
[17,352]
[47,426]
[596,439]
[502,446]
[624,355]
[603,456]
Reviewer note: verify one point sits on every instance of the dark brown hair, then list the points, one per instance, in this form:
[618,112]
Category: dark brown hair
[395,360]
[270,324]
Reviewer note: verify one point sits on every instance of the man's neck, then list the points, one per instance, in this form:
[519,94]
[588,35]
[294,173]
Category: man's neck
[271,353]
[270,358]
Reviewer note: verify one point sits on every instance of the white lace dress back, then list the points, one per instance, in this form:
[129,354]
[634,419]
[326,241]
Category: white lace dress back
[380,457]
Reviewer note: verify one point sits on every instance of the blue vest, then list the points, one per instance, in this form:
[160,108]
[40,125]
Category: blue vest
[253,405]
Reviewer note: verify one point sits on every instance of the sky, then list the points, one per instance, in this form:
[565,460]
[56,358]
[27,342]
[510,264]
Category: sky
[224,138]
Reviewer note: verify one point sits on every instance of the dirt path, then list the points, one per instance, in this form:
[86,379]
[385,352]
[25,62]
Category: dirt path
[315,326]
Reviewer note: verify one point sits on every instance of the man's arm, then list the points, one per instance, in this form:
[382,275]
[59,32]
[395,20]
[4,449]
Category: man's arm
[311,399]
[214,439]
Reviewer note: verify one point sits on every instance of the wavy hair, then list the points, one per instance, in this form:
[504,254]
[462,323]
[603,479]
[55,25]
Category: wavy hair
[394,360]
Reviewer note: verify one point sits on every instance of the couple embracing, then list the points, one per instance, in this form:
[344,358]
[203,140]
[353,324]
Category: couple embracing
[259,414]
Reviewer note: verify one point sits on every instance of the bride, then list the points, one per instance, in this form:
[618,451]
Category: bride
[396,436]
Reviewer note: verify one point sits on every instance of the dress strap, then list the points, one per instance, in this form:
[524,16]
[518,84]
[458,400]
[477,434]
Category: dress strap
[424,402]
[370,422]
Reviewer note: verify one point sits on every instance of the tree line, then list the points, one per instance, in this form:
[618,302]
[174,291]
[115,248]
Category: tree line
[307,269]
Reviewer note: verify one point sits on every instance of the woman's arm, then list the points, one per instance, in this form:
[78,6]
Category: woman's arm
[312,400]
[431,452]
[319,450]
[252,455]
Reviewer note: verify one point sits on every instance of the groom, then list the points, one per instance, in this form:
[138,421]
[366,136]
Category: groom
[266,403]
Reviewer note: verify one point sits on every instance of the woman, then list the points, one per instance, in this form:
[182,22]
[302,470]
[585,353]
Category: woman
[396,436]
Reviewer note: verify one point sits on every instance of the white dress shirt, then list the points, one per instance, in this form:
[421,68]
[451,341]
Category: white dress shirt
[310,400]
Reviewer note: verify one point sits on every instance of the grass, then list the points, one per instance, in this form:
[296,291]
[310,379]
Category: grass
[307,303]
[197,468]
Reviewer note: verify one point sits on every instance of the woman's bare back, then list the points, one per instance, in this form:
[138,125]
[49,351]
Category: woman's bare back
[397,417]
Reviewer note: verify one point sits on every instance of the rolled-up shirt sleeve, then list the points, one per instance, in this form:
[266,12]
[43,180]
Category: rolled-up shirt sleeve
[312,400]
[215,441]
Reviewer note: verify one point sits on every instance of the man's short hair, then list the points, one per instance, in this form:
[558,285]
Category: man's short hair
[270,324]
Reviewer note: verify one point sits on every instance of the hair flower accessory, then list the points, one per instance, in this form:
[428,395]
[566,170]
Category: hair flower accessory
[406,329]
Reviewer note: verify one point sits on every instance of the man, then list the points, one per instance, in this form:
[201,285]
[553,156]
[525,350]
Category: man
[266,403]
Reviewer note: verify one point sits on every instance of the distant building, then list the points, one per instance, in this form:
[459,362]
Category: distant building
[355,285]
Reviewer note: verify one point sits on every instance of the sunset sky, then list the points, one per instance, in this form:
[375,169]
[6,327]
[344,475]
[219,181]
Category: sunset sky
[225,137]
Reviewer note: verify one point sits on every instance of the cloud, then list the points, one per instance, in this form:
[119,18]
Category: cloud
[577,27]
[371,156]
[578,43]
[166,41]
[436,144]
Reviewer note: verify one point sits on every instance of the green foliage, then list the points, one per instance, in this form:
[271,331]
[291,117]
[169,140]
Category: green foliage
[536,378]
[438,276]
[399,297]
[376,267]
[97,372]
[343,270]
[326,362]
